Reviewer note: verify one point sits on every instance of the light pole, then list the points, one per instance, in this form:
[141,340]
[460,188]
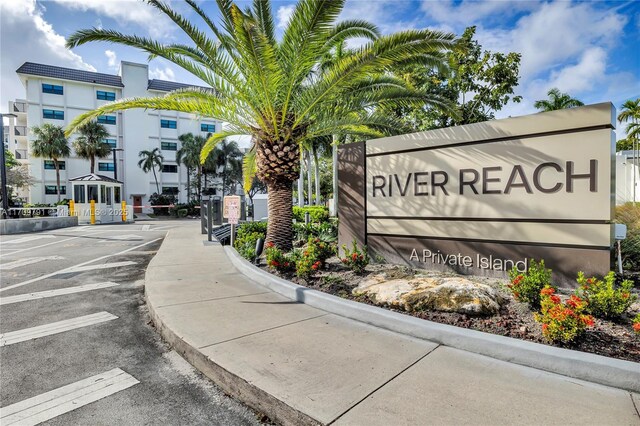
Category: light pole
[115,162]
[5,198]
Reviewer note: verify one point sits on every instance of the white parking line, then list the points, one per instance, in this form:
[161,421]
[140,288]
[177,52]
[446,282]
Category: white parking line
[126,237]
[146,227]
[27,239]
[101,266]
[53,293]
[67,398]
[42,277]
[37,247]
[31,333]
[28,261]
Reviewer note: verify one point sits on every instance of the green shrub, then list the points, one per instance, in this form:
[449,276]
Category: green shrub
[355,259]
[603,298]
[326,231]
[278,260]
[246,237]
[161,200]
[526,286]
[313,257]
[316,213]
[629,214]
[182,212]
[190,208]
[562,322]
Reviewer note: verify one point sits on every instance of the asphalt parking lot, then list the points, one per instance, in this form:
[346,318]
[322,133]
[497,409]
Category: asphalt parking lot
[76,344]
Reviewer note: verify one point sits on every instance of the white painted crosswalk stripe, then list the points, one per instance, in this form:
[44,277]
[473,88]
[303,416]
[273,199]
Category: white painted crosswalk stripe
[52,293]
[27,261]
[31,333]
[29,238]
[51,404]
[146,227]
[99,266]
[128,237]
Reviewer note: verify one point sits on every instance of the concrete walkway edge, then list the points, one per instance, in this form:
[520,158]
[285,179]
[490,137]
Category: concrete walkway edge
[590,367]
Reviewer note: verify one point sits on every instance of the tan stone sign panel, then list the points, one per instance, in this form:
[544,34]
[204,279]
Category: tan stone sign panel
[542,183]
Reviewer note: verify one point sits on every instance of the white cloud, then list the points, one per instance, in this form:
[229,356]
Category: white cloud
[26,36]
[126,11]
[582,76]
[112,59]
[165,73]
[466,12]
[283,15]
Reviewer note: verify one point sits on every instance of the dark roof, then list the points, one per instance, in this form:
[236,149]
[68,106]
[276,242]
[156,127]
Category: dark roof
[70,74]
[167,86]
[92,177]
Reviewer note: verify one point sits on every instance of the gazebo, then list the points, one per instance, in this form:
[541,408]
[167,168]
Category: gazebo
[105,191]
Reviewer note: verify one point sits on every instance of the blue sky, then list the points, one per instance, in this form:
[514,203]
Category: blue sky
[589,49]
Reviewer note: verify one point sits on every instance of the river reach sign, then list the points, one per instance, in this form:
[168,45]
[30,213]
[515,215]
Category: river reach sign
[485,197]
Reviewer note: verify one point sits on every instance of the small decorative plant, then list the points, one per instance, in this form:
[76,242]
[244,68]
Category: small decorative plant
[278,260]
[636,324]
[526,286]
[313,257]
[603,298]
[355,259]
[562,322]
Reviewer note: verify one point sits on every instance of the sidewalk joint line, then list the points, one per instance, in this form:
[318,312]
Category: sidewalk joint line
[213,299]
[262,331]
[382,385]
[633,401]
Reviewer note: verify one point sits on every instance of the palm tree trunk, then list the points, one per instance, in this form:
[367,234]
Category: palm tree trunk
[334,155]
[309,183]
[156,179]
[188,185]
[280,212]
[57,166]
[301,184]
[199,182]
[92,160]
[317,176]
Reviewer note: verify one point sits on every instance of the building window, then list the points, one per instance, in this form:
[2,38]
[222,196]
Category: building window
[168,124]
[53,114]
[211,128]
[51,190]
[105,167]
[93,193]
[52,88]
[107,119]
[50,165]
[106,96]
[116,194]
[169,168]
[169,146]
[111,142]
[170,190]
[78,194]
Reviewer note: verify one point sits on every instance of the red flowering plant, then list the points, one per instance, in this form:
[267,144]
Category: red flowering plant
[526,286]
[605,299]
[278,260]
[636,324]
[562,321]
[355,259]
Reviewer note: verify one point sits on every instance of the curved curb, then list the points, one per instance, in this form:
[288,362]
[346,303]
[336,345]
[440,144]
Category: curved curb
[580,365]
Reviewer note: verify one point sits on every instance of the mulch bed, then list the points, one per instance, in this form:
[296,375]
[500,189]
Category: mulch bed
[614,339]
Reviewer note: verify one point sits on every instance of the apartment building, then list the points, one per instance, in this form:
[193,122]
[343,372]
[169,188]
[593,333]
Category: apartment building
[57,95]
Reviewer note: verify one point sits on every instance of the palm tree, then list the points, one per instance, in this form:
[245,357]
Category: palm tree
[148,161]
[631,113]
[268,88]
[557,100]
[225,153]
[51,143]
[189,155]
[90,144]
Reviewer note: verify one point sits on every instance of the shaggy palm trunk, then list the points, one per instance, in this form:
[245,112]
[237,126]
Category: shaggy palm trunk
[57,166]
[317,175]
[280,212]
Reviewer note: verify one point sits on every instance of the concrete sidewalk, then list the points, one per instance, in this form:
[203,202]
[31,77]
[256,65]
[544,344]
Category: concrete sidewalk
[301,365]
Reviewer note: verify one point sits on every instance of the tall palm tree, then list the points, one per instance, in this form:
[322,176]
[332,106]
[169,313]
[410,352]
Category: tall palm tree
[224,153]
[51,143]
[149,160]
[630,113]
[189,155]
[90,144]
[268,88]
[557,100]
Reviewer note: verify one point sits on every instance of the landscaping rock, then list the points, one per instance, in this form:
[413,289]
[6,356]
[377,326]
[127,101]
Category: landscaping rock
[417,293]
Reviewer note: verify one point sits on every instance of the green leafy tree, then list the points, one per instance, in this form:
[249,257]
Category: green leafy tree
[189,155]
[269,88]
[227,159]
[51,143]
[557,100]
[90,144]
[476,82]
[17,175]
[149,160]
[630,113]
